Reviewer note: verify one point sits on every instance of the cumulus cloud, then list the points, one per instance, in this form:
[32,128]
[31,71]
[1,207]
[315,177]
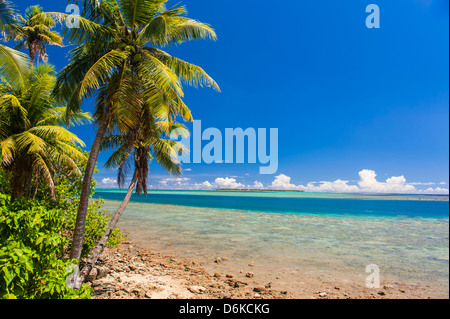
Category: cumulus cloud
[172,180]
[395,184]
[174,183]
[421,183]
[185,183]
[366,184]
[437,190]
[338,186]
[257,185]
[283,182]
[108,183]
[227,183]
[206,184]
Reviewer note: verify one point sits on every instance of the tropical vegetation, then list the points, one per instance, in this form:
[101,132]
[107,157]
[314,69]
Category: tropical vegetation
[32,136]
[49,221]
[33,32]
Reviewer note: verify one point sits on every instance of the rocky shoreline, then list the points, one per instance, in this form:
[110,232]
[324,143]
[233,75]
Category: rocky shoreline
[135,272]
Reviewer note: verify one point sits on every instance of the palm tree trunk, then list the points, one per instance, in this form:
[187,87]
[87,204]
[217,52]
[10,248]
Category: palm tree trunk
[32,52]
[21,178]
[102,243]
[36,185]
[78,235]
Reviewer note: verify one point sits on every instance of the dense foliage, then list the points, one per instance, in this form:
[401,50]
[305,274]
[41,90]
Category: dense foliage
[33,139]
[119,59]
[32,247]
[35,238]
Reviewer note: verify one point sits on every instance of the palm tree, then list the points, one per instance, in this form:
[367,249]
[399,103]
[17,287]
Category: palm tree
[14,65]
[7,14]
[143,146]
[33,32]
[119,59]
[32,140]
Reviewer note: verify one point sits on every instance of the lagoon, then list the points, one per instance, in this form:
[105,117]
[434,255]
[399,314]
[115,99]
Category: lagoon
[291,236]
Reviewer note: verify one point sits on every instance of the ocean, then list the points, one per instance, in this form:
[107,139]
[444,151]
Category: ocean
[290,235]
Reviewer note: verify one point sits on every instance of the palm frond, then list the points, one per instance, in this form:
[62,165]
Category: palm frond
[10,103]
[7,14]
[77,29]
[169,30]
[102,69]
[139,12]
[192,74]
[14,66]
[55,132]
[41,165]
[57,116]
[152,68]
[29,143]
[7,146]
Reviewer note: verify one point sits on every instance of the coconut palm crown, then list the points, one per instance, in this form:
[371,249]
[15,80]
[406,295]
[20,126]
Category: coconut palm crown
[14,65]
[32,138]
[33,32]
[119,59]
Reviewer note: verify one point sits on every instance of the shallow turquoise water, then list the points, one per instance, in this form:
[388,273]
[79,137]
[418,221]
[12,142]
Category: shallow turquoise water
[332,235]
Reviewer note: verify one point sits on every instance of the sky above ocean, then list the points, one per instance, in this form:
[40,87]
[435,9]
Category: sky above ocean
[356,109]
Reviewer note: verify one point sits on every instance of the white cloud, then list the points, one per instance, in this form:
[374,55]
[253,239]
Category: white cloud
[395,184]
[188,170]
[421,183]
[283,182]
[366,184]
[437,190]
[108,183]
[227,183]
[338,186]
[206,184]
[220,182]
[173,180]
[257,184]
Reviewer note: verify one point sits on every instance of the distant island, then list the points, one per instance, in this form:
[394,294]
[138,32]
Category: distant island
[257,190]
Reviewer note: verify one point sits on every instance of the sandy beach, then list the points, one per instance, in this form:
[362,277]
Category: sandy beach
[135,272]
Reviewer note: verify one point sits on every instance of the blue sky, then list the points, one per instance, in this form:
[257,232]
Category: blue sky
[347,100]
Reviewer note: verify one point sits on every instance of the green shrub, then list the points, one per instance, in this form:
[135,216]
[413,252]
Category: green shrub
[31,253]
[96,224]
[36,234]
[68,192]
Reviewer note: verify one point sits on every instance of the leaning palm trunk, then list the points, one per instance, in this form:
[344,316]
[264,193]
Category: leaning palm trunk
[78,235]
[102,243]
[118,61]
